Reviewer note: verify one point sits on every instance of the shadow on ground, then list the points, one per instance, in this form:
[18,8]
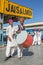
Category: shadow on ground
[26,52]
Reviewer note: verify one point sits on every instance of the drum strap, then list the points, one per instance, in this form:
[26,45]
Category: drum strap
[21,28]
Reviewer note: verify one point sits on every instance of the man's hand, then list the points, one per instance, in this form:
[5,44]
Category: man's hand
[9,38]
[19,31]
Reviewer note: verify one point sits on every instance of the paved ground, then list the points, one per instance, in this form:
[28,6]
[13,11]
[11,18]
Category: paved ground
[32,56]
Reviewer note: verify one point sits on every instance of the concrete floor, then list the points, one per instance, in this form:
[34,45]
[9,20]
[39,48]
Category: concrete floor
[31,56]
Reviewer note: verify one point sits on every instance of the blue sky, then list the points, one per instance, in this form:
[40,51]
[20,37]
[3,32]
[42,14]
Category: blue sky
[37,7]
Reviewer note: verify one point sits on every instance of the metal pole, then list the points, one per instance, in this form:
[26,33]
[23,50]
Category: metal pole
[2,30]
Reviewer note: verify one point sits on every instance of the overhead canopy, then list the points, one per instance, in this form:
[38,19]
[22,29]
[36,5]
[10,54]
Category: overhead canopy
[10,8]
[7,17]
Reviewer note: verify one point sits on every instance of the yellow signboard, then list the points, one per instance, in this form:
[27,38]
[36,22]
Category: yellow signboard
[1,6]
[11,8]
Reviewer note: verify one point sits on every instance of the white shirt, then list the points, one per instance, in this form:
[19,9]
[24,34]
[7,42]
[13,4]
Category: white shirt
[35,36]
[10,31]
[39,35]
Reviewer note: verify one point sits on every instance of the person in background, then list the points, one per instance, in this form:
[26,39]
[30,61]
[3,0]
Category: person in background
[35,37]
[20,28]
[39,36]
[10,32]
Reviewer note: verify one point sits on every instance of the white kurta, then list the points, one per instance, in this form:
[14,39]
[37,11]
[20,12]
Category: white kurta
[35,38]
[9,32]
[39,38]
[20,48]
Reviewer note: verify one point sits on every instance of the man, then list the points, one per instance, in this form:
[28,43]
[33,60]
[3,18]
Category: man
[20,28]
[39,37]
[35,37]
[10,32]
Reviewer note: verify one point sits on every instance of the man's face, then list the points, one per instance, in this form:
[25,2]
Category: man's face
[21,19]
[11,23]
[39,29]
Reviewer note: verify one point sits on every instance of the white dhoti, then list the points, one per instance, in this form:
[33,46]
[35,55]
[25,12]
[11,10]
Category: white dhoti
[39,40]
[19,51]
[35,40]
[10,47]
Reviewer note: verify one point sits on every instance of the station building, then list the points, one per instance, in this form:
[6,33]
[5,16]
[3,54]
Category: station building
[12,10]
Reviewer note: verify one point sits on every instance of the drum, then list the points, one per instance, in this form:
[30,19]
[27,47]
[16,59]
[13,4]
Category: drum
[24,39]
